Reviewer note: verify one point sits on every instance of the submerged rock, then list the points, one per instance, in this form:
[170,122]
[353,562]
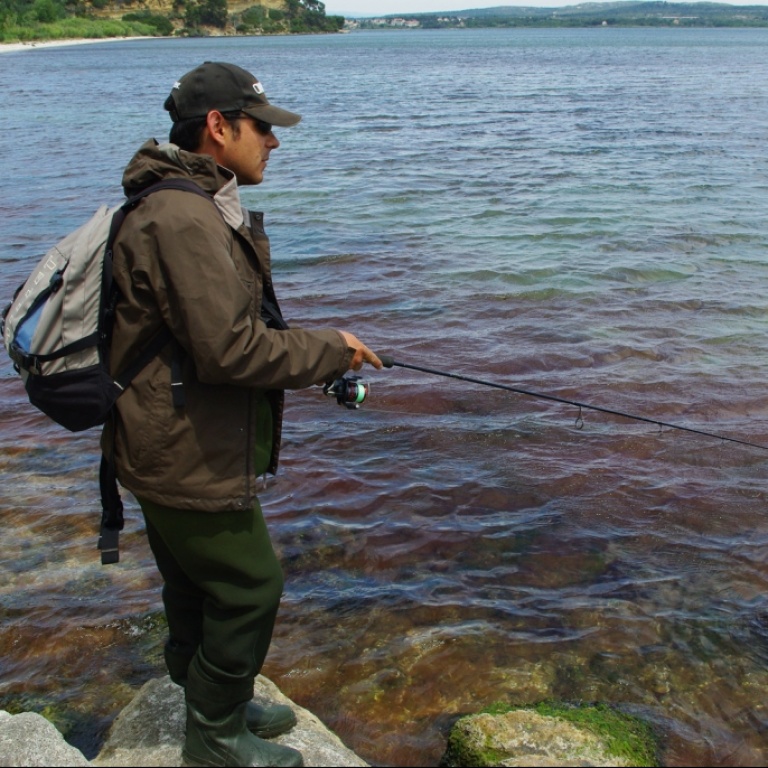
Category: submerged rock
[150,732]
[522,737]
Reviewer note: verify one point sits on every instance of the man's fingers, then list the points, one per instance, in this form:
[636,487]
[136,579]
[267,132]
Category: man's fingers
[362,353]
[373,359]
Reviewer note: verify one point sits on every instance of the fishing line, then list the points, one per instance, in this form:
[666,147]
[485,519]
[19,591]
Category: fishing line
[389,362]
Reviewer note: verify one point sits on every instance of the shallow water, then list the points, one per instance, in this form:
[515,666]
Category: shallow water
[578,212]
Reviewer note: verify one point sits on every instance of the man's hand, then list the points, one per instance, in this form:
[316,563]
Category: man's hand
[362,353]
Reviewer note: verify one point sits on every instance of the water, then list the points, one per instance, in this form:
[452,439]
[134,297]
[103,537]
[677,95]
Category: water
[576,212]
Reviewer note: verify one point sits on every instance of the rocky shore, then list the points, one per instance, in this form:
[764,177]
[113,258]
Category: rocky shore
[150,732]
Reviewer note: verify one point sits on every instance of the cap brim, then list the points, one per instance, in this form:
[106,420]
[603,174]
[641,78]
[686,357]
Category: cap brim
[273,115]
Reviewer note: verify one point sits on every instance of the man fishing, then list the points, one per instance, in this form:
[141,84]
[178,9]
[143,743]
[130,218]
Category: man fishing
[191,453]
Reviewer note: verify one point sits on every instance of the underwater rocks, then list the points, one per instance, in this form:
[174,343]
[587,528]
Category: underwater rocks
[557,735]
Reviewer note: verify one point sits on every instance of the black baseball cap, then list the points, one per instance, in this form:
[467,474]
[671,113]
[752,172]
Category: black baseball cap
[227,88]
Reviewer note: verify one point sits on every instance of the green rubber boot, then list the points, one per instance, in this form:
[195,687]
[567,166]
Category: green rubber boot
[270,721]
[227,742]
[266,722]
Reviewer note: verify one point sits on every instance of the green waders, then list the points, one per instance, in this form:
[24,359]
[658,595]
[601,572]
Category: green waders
[222,590]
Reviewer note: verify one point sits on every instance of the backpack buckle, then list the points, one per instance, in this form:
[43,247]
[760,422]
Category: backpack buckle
[24,360]
[109,545]
[16,355]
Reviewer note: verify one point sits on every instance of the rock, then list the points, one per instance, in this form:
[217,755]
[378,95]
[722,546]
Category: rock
[525,738]
[150,732]
[29,739]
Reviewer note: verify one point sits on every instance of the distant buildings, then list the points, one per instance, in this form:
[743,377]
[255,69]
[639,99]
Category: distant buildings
[400,22]
[396,22]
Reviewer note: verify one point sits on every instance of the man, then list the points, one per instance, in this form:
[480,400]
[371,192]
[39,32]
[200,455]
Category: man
[200,267]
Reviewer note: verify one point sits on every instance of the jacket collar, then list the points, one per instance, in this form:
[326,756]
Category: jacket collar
[155,161]
[227,200]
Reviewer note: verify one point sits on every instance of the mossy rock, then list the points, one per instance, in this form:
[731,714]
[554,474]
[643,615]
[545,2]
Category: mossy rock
[550,735]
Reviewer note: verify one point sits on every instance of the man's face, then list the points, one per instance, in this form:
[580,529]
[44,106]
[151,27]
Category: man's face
[247,149]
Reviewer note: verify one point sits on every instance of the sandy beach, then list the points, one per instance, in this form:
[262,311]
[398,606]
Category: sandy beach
[30,46]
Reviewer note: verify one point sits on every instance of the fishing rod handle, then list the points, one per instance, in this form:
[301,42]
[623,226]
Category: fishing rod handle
[386,360]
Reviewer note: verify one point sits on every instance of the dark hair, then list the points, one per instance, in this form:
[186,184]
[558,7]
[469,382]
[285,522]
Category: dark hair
[187,134]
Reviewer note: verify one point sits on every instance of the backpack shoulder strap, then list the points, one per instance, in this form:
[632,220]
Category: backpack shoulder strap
[164,335]
[112,506]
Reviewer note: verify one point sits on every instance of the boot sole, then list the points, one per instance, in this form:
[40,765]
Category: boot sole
[187,761]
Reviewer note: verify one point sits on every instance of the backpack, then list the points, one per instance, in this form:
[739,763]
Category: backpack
[57,331]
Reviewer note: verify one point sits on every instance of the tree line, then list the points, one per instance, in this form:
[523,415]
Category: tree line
[28,20]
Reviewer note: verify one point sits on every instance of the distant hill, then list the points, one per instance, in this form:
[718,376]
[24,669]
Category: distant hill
[628,8]
[625,13]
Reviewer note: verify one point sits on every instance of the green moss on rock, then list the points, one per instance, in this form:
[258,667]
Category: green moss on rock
[624,735]
[550,734]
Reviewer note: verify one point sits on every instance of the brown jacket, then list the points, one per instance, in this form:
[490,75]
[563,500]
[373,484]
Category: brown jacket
[199,269]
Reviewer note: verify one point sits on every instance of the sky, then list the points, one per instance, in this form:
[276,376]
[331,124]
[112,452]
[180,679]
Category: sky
[404,7]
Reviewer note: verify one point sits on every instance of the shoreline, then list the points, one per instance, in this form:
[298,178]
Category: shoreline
[32,44]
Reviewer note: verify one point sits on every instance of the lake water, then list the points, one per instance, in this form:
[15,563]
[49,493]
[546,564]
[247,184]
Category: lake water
[582,213]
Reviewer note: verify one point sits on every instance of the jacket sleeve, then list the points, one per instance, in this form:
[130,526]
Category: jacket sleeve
[181,252]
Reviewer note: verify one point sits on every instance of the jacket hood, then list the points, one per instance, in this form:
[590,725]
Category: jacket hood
[154,162]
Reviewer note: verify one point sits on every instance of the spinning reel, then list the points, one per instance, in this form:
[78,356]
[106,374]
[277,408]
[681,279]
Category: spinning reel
[349,391]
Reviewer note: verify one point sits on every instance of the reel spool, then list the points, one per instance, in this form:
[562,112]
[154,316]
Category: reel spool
[349,391]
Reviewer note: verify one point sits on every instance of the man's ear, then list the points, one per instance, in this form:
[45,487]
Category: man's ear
[217,126]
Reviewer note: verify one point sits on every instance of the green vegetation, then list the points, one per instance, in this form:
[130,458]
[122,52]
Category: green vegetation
[309,16]
[29,20]
[298,17]
[162,24]
[206,13]
[36,20]
[624,736]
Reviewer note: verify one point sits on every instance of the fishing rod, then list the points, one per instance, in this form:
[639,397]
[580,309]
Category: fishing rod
[351,391]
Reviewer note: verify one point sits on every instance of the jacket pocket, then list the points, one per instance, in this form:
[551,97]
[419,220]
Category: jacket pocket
[150,422]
